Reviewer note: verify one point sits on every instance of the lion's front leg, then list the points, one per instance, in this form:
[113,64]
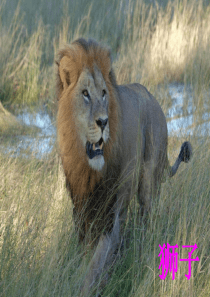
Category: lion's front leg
[104,254]
[103,257]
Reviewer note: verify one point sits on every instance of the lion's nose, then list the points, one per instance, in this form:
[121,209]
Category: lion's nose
[102,123]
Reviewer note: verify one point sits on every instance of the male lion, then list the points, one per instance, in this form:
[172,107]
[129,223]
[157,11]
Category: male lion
[113,142]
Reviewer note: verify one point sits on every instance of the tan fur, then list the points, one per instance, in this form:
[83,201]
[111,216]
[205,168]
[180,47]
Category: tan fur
[135,146]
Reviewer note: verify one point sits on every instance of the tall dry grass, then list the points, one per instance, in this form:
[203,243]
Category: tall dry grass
[153,45]
[40,255]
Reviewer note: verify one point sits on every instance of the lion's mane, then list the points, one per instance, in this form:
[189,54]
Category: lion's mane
[81,179]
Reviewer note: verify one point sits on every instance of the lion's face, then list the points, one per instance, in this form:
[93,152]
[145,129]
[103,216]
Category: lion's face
[88,111]
[91,101]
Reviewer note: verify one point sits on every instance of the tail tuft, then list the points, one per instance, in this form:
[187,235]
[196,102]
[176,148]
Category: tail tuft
[185,152]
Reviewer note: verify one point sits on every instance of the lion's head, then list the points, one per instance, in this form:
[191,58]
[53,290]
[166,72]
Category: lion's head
[88,108]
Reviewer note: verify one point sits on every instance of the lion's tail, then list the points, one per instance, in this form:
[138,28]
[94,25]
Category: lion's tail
[184,156]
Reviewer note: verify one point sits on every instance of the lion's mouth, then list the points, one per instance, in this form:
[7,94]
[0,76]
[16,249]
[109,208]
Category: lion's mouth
[95,149]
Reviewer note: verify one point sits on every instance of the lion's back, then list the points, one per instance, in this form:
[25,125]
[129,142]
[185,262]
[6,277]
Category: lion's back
[142,117]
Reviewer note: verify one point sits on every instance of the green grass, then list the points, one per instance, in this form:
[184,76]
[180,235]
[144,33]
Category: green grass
[151,44]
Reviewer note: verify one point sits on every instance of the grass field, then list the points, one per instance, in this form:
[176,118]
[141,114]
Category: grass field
[153,44]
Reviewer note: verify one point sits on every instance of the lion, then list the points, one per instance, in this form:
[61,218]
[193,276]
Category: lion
[113,143]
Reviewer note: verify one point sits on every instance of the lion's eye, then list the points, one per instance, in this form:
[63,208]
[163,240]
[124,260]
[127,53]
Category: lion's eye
[86,95]
[103,94]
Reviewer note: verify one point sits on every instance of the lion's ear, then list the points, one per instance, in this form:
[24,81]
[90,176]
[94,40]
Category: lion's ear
[107,61]
[110,59]
[64,68]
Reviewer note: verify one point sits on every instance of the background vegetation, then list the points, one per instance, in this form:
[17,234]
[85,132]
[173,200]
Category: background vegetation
[154,43]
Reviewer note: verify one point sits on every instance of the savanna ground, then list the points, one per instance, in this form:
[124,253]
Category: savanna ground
[154,43]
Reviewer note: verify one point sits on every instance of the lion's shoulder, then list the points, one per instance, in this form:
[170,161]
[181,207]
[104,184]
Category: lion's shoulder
[135,90]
